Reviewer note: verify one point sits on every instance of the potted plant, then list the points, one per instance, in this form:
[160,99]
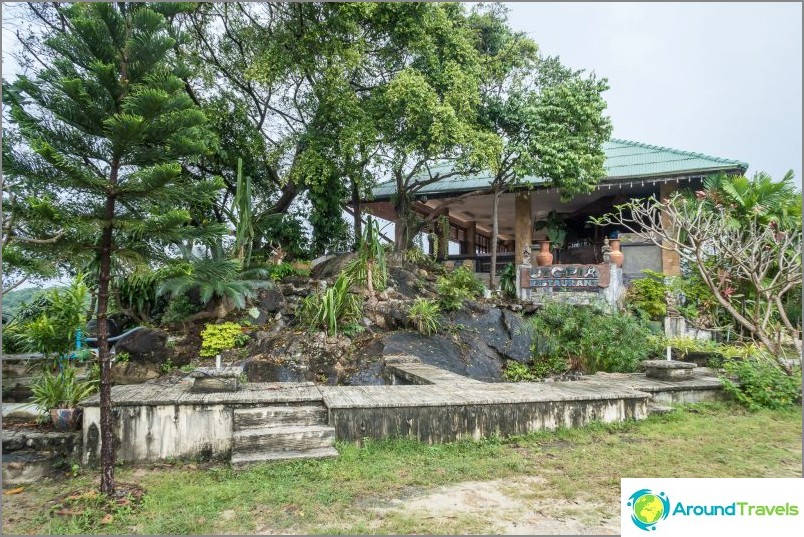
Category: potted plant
[59,394]
[556,229]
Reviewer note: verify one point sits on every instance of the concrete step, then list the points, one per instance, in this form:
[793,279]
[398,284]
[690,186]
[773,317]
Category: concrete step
[282,440]
[278,416]
[655,408]
[242,459]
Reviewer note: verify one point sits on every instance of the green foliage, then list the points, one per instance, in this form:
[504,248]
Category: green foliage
[167,366]
[457,286]
[122,357]
[287,230]
[220,337]
[331,233]
[332,307]
[685,345]
[555,227]
[647,295]
[518,372]
[425,316]
[282,270]
[179,309]
[760,198]
[60,390]
[508,281]
[136,293]
[216,276]
[590,338]
[417,256]
[758,382]
[542,367]
[49,325]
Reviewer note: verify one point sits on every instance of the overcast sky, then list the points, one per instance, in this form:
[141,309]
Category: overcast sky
[717,78]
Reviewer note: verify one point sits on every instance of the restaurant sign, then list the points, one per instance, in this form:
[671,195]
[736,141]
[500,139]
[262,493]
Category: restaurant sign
[569,277]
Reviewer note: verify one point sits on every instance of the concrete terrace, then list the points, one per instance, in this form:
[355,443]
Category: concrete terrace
[433,405]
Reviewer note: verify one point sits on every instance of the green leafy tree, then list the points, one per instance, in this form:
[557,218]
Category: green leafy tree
[549,117]
[749,262]
[107,127]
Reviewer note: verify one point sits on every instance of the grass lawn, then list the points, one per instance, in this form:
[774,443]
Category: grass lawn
[403,486]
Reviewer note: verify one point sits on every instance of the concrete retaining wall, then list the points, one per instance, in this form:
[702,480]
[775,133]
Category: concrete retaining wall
[163,431]
[439,424]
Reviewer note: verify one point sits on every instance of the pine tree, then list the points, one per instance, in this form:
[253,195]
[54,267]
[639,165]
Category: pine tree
[106,131]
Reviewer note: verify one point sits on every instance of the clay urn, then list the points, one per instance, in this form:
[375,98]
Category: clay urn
[544,258]
[616,254]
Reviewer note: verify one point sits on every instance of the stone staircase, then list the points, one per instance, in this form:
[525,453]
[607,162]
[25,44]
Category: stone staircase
[281,432]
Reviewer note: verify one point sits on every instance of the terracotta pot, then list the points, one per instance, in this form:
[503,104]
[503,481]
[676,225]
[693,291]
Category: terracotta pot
[616,254]
[544,258]
[65,419]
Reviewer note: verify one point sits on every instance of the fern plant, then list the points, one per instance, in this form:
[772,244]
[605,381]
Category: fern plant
[332,307]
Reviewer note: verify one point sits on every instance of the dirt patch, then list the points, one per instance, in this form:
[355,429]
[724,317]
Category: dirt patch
[503,505]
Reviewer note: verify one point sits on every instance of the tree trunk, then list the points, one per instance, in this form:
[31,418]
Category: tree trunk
[401,225]
[107,438]
[357,214]
[495,225]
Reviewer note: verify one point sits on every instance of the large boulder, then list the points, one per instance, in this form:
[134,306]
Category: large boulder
[270,300]
[504,331]
[146,345]
[134,372]
[406,282]
[333,266]
[465,355]
[112,328]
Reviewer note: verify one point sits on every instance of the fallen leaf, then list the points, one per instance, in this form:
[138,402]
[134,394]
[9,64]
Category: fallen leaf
[13,491]
[107,519]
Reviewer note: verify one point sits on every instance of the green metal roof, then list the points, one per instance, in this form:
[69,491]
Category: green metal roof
[624,160]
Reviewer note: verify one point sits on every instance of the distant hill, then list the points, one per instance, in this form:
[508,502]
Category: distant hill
[14,299]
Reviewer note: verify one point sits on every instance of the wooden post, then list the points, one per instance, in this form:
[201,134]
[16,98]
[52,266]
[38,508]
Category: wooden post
[523,224]
[671,262]
[470,244]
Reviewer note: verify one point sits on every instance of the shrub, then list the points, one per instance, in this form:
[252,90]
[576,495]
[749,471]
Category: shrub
[219,337]
[590,338]
[542,367]
[647,295]
[283,270]
[326,309]
[758,382]
[49,325]
[508,281]
[456,286]
[424,315]
[518,372]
